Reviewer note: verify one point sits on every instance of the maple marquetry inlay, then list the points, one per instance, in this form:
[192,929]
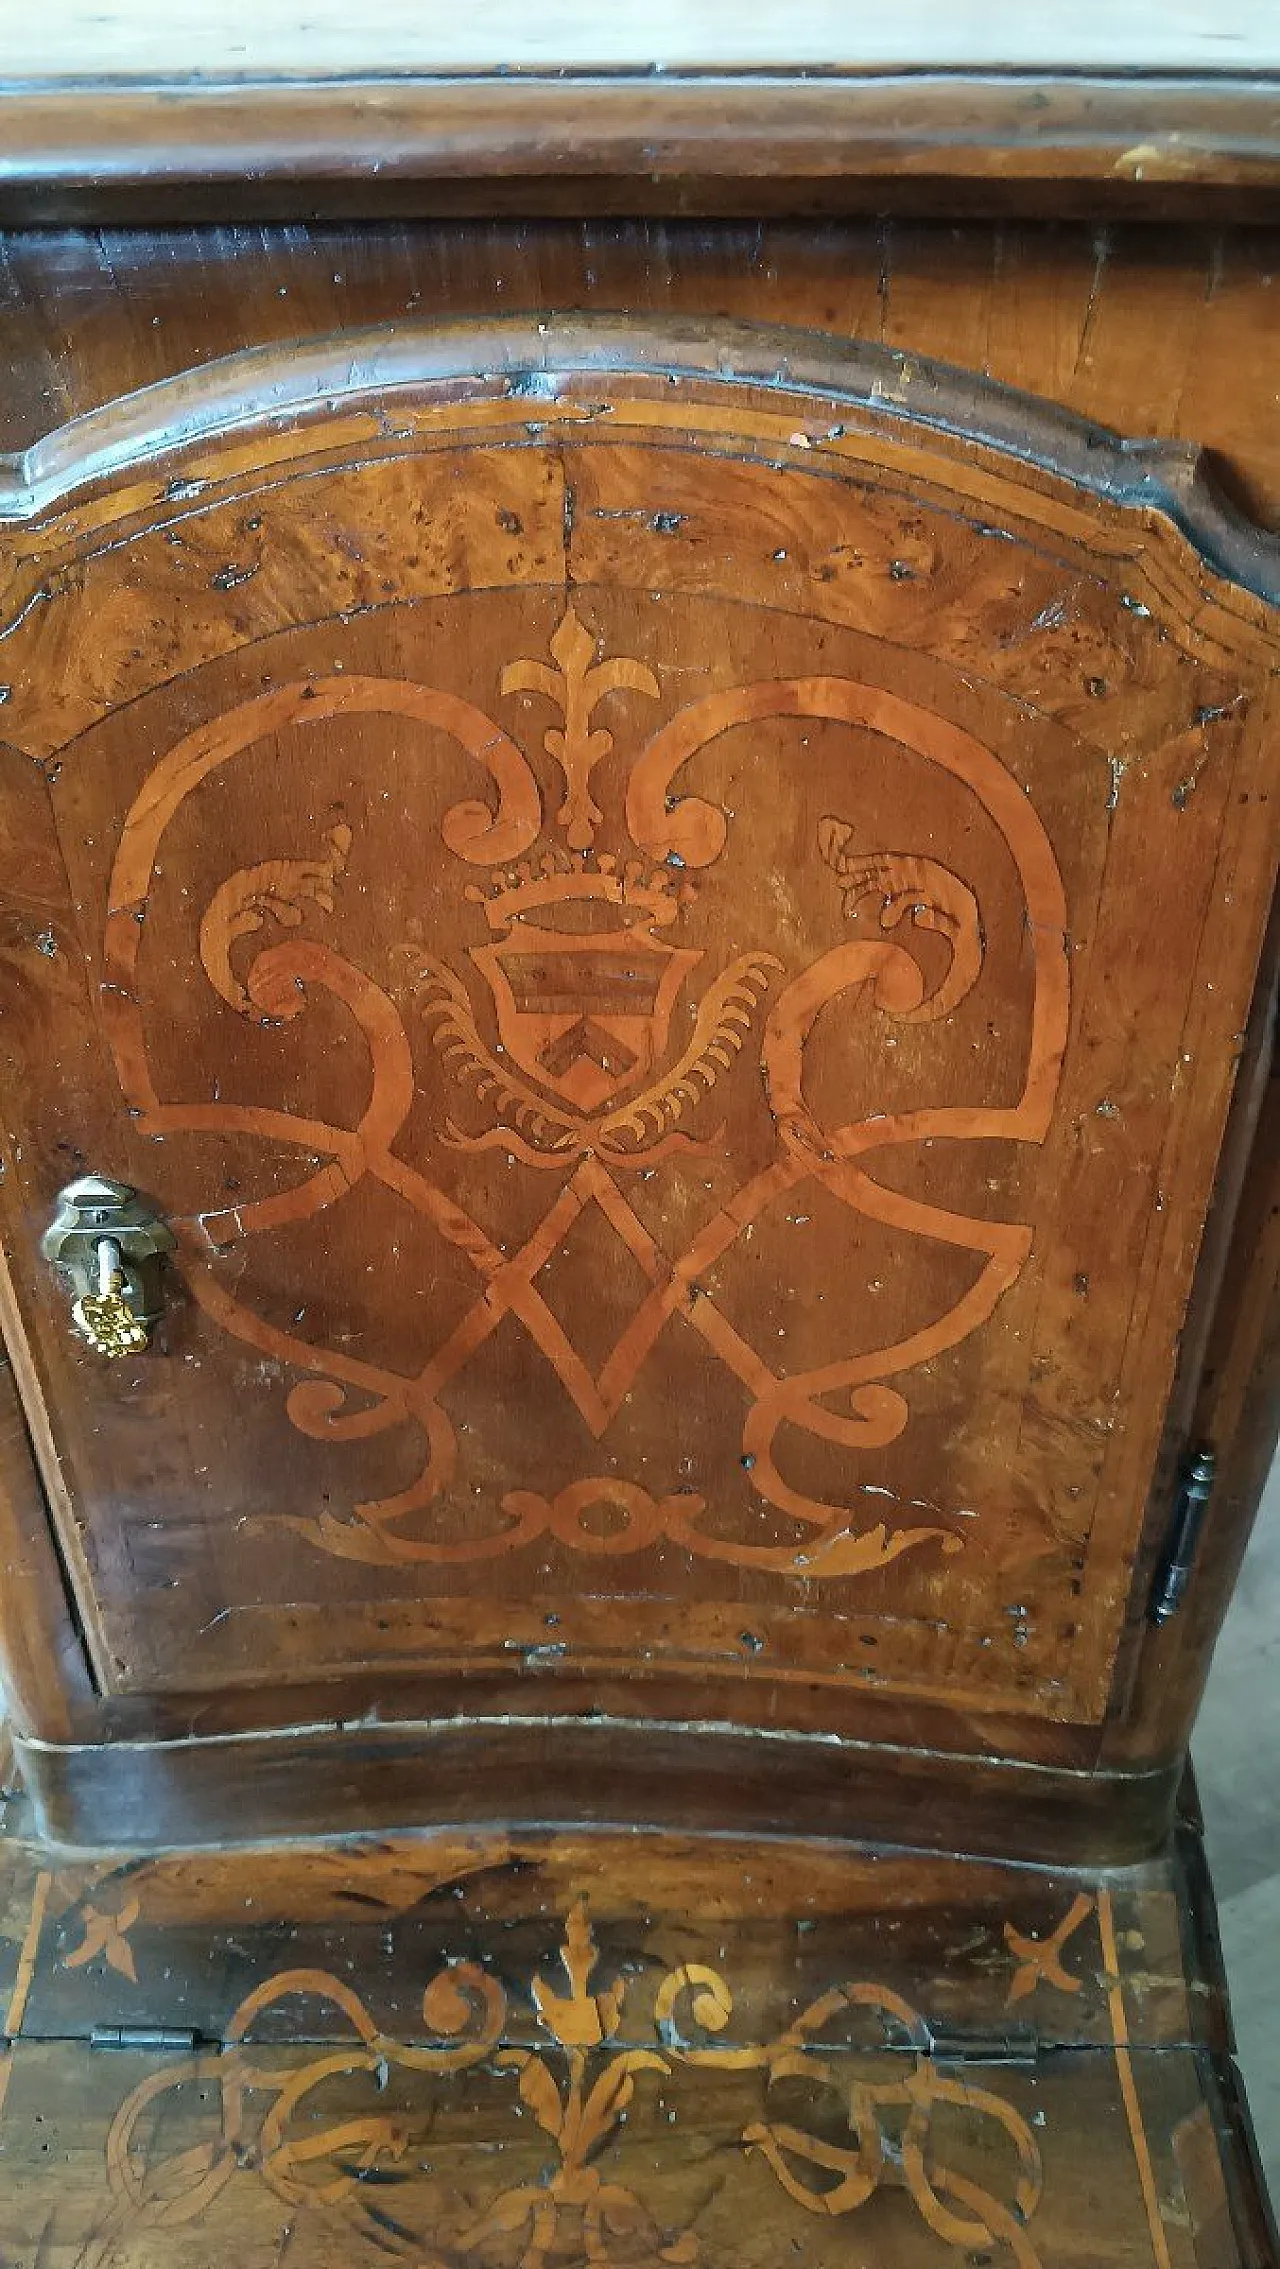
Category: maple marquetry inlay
[617,919]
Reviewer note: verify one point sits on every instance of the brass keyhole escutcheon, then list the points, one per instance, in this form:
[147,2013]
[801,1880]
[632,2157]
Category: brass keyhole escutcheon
[111,1247]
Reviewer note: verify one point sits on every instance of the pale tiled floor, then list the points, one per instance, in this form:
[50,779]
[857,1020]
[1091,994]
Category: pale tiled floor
[1237,1758]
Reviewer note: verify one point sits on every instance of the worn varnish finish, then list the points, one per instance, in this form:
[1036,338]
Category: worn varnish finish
[372,146]
[514,2050]
[279,113]
[598,1094]
[550,850]
[1155,331]
[657,846]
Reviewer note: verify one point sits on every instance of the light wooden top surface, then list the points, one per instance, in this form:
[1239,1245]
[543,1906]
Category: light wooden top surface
[77,39]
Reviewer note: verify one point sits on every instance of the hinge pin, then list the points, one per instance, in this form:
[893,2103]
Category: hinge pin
[1174,1572]
[167,2038]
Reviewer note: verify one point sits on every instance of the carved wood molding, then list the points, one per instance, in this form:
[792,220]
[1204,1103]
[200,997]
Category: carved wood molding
[470,371]
[362,143]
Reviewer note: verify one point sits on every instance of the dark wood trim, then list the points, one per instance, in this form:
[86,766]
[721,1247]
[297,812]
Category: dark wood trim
[1252,2220]
[565,1772]
[46,1673]
[367,147]
[291,383]
[404,1692]
[1227,1396]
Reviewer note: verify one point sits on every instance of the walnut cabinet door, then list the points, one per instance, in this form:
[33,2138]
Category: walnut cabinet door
[668,925]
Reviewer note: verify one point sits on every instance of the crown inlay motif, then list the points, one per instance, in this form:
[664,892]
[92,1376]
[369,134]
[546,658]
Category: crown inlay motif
[564,1031]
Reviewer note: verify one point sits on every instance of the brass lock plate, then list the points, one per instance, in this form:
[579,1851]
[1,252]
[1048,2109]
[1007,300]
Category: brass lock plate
[111,1246]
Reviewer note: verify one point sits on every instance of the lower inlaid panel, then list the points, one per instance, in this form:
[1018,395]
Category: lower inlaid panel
[607,2051]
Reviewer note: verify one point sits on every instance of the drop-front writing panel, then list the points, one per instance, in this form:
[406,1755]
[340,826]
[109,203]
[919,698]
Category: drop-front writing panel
[674,950]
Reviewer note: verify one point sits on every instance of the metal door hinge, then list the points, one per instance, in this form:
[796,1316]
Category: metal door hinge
[1007,2044]
[167,2038]
[1173,1573]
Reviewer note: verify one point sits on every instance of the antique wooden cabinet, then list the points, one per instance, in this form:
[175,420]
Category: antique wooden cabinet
[637,844]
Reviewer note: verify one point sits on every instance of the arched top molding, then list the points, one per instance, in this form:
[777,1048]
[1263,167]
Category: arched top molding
[369,383]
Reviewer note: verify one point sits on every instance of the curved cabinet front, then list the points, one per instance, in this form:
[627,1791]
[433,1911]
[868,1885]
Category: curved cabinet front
[669,930]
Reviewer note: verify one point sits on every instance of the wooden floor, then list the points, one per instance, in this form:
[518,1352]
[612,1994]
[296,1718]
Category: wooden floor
[1237,1756]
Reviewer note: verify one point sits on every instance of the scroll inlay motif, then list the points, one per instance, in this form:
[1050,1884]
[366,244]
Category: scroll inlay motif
[577,2082]
[587,1040]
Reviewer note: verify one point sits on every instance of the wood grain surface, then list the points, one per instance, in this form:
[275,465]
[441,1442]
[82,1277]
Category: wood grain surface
[539,981]
[515,2050]
[388,718]
[1155,332]
[274,112]
[213,148]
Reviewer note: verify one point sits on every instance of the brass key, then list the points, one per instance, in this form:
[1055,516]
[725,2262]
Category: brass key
[105,1317]
[112,1247]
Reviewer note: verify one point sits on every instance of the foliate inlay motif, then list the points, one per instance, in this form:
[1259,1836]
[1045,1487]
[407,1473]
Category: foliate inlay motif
[595,1042]
[835,2130]
[1040,1960]
[106,1938]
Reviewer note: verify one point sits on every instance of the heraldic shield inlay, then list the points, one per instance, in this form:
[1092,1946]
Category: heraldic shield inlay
[564,1036]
